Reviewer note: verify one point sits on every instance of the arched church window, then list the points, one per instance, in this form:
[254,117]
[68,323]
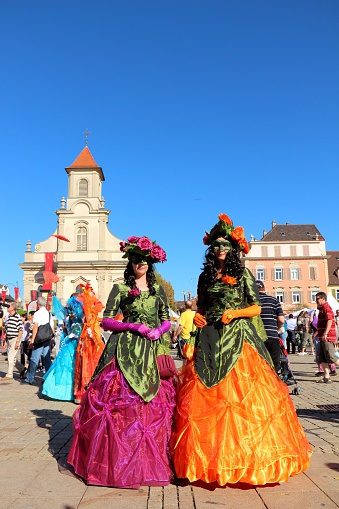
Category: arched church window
[81,239]
[83,187]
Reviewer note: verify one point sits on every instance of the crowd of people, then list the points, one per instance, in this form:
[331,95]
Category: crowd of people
[225,416]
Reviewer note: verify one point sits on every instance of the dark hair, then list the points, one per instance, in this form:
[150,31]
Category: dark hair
[233,266]
[321,295]
[130,277]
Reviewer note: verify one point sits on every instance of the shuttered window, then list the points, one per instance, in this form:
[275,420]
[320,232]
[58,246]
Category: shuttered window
[293,250]
[277,251]
[306,250]
[313,273]
[83,187]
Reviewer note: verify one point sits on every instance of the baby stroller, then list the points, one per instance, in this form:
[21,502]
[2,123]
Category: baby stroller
[286,374]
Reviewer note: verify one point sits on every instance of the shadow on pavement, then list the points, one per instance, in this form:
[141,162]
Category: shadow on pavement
[321,415]
[333,466]
[59,427]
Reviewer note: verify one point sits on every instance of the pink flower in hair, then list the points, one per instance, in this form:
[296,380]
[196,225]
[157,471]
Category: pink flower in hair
[158,253]
[122,246]
[145,243]
[132,240]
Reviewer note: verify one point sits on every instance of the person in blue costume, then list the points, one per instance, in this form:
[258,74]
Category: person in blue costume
[75,312]
[59,379]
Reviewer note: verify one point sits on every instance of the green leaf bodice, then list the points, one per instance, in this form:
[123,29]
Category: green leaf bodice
[219,346]
[136,355]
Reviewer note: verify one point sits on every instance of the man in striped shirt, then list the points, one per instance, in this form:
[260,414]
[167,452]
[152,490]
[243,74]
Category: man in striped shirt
[14,330]
[273,318]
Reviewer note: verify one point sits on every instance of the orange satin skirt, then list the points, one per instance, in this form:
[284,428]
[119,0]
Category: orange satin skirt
[245,429]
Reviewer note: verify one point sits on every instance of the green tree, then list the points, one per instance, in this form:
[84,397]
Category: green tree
[168,288]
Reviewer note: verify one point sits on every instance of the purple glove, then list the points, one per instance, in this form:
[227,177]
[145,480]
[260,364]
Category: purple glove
[159,331]
[115,326]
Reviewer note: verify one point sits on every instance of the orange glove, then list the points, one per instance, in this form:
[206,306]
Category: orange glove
[199,320]
[230,314]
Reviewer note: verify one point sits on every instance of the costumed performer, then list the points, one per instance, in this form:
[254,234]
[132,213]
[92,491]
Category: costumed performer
[90,345]
[123,425]
[59,379]
[234,420]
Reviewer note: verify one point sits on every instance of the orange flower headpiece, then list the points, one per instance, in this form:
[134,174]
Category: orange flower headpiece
[225,228]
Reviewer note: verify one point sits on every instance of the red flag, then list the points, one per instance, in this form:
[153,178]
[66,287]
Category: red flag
[3,295]
[33,294]
[16,292]
[49,257]
[61,237]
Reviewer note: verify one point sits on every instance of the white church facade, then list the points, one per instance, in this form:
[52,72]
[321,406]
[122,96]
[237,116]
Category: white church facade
[84,249]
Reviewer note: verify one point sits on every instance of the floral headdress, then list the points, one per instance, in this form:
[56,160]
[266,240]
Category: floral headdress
[223,228]
[143,246]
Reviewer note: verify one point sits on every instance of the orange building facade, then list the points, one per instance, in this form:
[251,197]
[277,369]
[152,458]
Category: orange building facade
[292,262]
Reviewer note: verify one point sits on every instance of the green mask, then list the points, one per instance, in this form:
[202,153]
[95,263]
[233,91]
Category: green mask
[221,245]
[138,260]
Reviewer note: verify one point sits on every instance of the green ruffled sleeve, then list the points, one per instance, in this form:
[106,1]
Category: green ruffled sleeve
[163,312]
[250,289]
[113,302]
[163,345]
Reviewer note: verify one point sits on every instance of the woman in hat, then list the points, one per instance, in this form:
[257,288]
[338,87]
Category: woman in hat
[122,427]
[234,420]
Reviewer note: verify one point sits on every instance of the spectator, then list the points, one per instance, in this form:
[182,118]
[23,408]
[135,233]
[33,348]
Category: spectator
[186,326]
[291,340]
[303,322]
[41,317]
[327,336]
[14,328]
[273,319]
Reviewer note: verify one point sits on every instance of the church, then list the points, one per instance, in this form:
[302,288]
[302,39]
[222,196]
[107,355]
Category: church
[82,249]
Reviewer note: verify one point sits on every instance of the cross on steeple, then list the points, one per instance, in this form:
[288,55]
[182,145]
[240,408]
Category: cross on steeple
[86,133]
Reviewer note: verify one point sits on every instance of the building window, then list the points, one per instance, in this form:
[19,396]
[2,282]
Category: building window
[278,274]
[83,187]
[313,273]
[306,250]
[295,274]
[296,297]
[277,252]
[81,239]
[261,274]
[279,296]
[337,293]
[313,294]
[293,250]
[264,251]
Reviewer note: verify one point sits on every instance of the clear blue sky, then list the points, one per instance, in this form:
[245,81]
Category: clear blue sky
[194,108]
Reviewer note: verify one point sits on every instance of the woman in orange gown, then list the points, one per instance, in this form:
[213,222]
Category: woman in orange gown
[90,345]
[234,421]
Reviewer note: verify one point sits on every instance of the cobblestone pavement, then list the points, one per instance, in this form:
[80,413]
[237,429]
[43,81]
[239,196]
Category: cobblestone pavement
[35,434]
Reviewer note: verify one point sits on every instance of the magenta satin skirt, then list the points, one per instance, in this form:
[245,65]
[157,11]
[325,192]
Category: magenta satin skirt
[119,440]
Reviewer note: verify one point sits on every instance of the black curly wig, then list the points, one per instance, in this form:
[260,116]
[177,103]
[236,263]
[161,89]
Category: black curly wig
[130,277]
[233,265]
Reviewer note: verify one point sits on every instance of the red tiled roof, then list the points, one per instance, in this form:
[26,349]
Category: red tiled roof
[84,160]
[293,233]
[333,266]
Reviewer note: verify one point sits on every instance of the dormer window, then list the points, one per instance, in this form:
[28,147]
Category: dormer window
[83,188]
[283,234]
